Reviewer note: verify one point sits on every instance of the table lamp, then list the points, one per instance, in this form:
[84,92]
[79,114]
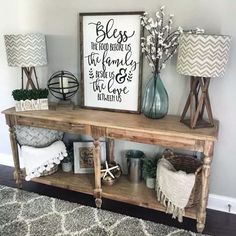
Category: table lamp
[26,51]
[201,57]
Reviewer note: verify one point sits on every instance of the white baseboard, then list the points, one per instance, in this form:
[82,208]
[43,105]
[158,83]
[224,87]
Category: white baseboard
[215,202]
[221,203]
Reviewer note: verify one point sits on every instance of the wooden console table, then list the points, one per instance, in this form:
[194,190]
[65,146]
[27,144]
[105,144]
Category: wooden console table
[167,132]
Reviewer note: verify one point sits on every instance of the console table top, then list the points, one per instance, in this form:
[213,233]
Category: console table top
[169,125]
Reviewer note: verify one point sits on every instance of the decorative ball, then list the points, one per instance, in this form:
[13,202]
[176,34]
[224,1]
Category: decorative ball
[63,85]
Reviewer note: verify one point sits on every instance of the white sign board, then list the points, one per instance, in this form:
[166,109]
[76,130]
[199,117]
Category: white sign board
[111,60]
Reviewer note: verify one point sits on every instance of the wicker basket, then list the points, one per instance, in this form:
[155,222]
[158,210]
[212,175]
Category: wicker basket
[188,164]
[50,172]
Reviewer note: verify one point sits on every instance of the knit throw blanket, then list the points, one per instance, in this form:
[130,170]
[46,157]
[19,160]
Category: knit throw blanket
[173,188]
[37,160]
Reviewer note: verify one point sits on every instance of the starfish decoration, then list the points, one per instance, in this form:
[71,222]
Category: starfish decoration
[108,169]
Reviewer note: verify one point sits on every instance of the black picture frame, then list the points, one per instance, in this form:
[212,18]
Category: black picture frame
[111,61]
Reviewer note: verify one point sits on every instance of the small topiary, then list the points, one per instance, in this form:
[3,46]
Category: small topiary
[24,94]
[150,167]
[70,156]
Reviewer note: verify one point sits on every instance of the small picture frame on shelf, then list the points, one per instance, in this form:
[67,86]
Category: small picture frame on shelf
[84,156]
[111,60]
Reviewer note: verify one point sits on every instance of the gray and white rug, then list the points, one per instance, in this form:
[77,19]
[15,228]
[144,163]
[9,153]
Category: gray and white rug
[28,214]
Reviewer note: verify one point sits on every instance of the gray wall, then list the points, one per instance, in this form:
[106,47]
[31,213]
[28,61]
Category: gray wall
[59,21]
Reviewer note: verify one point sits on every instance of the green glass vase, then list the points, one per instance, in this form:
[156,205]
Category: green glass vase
[155,101]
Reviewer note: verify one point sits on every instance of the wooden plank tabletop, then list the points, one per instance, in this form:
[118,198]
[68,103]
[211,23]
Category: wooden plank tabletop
[169,125]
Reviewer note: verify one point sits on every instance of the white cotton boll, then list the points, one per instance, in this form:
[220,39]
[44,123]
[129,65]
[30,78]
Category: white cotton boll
[163,7]
[151,64]
[150,20]
[157,14]
[199,31]
[164,45]
[159,54]
[180,29]
[163,65]
[58,161]
[166,27]
[153,51]
[152,23]
[149,37]
[60,158]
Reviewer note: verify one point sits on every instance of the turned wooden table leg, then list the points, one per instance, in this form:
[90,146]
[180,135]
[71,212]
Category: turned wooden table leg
[97,170]
[17,172]
[208,155]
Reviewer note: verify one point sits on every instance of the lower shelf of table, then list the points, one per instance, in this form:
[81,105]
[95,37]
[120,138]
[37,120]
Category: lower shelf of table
[122,190]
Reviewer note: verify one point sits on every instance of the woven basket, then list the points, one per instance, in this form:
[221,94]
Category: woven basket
[188,164]
[50,172]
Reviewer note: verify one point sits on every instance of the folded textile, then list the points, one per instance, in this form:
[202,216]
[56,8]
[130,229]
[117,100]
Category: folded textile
[173,188]
[37,160]
[36,137]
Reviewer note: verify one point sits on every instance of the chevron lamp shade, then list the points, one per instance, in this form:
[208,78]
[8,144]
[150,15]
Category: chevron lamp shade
[203,55]
[26,50]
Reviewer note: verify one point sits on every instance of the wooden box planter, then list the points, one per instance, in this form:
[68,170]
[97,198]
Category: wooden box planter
[27,100]
[27,105]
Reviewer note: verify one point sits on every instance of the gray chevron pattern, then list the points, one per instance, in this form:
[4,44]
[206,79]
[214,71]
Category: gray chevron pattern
[26,50]
[203,55]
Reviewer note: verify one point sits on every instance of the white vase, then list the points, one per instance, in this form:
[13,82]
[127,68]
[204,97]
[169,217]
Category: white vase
[66,166]
[150,182]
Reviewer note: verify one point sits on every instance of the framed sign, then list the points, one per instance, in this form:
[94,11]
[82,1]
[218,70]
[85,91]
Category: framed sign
[111,61]
[84,156]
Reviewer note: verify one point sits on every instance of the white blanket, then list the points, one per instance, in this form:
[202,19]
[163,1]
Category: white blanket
[173,188]
[37,160]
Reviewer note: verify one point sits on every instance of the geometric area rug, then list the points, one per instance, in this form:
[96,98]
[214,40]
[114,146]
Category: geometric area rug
[28,214]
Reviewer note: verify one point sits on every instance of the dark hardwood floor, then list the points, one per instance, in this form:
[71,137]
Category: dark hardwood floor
[217,223]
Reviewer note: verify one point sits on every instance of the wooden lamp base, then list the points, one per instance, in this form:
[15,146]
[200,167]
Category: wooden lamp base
[198,100]
[29,71]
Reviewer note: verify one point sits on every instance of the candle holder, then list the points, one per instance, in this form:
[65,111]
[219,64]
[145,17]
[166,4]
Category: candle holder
[63,85]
